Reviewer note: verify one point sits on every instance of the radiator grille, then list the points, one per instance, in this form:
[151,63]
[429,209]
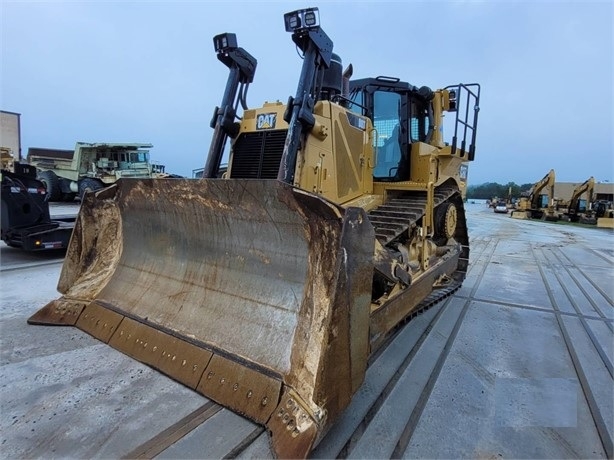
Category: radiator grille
[257,155]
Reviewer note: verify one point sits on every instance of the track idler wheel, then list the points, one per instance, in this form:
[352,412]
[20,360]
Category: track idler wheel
[446,218]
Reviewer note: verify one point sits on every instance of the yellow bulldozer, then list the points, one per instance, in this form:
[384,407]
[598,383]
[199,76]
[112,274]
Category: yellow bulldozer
[267,290]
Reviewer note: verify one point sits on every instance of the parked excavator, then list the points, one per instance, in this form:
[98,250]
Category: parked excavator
[579,209]
[534,205]
[267,290]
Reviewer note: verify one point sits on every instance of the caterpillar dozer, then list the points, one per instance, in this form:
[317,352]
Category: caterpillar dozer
[339,217]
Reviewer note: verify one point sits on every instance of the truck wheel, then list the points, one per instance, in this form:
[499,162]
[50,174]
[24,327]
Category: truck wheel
[88,185]
[69,197]
[52,185]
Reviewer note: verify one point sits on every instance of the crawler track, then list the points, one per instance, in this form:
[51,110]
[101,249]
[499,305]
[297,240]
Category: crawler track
[400,215]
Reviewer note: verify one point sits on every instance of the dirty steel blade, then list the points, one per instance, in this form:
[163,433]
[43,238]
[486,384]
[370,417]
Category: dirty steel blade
[251,292]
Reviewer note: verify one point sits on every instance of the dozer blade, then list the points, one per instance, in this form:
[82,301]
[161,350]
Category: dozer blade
[251,292]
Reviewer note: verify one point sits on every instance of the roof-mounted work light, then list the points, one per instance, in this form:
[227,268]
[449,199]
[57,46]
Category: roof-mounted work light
[224,42]
[306,19]
[452,103]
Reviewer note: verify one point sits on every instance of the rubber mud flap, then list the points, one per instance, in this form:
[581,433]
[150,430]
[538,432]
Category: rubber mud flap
[262,287]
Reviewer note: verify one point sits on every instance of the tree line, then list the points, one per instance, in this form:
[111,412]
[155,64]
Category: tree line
[492,189]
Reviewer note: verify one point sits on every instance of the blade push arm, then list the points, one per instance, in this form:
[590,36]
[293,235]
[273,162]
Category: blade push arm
[242,67]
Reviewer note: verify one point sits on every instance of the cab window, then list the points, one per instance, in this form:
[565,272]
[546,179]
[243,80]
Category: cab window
[386,120]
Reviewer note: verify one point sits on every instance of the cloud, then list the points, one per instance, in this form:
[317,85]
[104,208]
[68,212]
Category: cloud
[147,72]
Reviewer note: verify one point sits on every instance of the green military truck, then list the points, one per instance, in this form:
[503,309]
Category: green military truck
[67,174]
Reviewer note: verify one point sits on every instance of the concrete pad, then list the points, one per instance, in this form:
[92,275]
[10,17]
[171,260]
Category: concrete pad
[380,438]
[506,281]
[90,402]
[524,402]
[496,344]
[215,438]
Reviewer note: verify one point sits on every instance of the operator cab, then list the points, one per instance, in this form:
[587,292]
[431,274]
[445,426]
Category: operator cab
[401,116]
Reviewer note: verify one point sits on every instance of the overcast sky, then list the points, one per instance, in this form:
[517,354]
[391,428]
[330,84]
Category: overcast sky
[146,72]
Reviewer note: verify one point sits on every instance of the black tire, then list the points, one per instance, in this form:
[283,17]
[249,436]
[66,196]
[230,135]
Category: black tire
[88,185]
[52,185]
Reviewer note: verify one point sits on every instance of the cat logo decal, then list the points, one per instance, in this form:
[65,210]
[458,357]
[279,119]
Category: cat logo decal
[266,121]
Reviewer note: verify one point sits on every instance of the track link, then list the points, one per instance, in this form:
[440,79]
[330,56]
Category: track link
[398,215]
[401,214]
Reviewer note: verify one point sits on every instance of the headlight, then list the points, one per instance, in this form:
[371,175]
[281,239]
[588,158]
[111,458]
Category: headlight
[224,42]
[305,19]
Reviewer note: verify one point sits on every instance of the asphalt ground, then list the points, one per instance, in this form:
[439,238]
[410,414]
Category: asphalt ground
[516,364]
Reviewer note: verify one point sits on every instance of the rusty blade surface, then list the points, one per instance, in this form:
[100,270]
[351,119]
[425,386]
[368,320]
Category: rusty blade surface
[247,289]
